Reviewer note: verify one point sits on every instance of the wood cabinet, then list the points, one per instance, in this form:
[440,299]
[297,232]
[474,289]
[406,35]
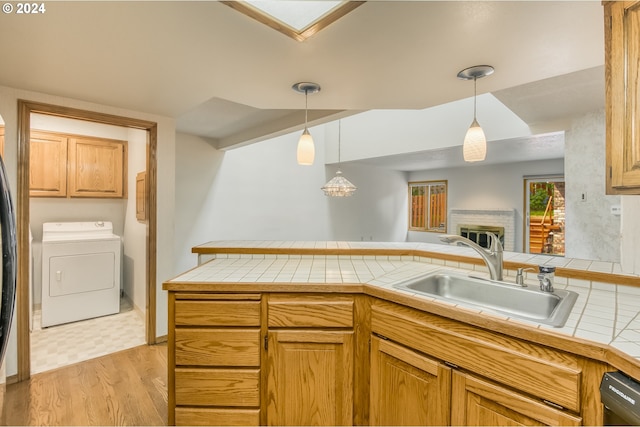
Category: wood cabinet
[529,384]
[76,166]
[47,164]
[352,359]
[310,360]
[622,75]
[214,359]
[407,388]
[477,402]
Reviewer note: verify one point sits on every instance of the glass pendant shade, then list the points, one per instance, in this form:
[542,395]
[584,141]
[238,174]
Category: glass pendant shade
[339,186]
[306,150]
[474,148]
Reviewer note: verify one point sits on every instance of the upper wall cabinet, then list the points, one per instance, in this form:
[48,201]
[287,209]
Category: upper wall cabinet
[76,166]
[622,74]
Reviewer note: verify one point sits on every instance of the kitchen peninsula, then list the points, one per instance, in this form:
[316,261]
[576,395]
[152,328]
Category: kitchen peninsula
[301,333]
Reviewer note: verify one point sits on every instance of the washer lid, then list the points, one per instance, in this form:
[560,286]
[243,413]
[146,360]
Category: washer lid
[77,230]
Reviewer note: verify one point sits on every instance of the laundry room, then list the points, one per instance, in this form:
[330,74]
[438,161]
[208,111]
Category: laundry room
[88,245]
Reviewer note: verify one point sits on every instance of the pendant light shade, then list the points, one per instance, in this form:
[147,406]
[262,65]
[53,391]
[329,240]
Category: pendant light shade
[306,150]
[474,147]
[339,186]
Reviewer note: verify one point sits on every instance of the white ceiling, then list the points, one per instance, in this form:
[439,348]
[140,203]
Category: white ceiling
[227,77]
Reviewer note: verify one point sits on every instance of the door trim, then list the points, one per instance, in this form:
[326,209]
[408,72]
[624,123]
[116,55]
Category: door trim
[25,108]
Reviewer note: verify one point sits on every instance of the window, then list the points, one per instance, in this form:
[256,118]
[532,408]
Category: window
[428,206]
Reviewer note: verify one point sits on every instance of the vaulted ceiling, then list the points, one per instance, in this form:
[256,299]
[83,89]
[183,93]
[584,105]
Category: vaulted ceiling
[228,77]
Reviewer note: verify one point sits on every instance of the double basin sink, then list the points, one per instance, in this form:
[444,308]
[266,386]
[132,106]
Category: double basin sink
[527,303]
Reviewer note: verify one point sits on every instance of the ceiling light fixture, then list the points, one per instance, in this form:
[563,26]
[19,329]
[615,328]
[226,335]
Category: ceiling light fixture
[474,148]
[306,150]
[339,186]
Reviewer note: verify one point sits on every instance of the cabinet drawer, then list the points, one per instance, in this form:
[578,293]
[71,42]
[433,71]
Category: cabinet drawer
[541,371]
[217,417]
[310,311]
[217,347]
[217,313]
[217,387]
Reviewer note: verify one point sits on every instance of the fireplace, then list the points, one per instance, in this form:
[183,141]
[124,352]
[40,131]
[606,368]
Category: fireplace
[493,218]
[478,233]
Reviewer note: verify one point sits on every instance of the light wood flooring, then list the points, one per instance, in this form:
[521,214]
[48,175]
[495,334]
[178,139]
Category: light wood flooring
[124,388]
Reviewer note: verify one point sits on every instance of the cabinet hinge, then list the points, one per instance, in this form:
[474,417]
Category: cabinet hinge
[266,342]
[553,405]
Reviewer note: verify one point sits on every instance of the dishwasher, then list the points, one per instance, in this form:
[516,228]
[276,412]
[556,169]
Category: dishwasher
[620,395]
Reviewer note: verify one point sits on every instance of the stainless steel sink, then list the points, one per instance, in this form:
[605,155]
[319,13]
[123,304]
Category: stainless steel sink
[509,299]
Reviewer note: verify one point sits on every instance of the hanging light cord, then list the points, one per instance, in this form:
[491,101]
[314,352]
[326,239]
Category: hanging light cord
[339,135]
[306,107]
[475,96]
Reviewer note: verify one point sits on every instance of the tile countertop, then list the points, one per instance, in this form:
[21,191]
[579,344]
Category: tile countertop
[605,312]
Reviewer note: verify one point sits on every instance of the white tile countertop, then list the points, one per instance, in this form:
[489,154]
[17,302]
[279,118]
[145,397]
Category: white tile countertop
[606,313]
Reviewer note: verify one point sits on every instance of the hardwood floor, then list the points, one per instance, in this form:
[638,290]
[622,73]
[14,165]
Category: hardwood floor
[124,388]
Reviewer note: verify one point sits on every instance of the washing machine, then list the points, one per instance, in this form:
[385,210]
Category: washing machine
[81,264]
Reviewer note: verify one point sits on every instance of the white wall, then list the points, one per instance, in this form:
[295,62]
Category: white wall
[165,192]
[379,133]
[592,232]
[260,192]
[630,234]
[134,235]
[482,186]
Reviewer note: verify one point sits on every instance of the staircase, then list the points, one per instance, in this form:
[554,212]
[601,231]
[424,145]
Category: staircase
[539,229]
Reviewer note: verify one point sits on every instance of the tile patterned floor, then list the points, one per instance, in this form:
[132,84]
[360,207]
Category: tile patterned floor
[62,345]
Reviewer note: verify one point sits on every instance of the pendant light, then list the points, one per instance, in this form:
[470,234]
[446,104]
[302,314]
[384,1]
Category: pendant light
[339,186]
[306,150]
[474,148]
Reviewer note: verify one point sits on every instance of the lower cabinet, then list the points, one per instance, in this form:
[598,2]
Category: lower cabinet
[310,378]
[407,388]
[338,359]
[214,359]
[476,402]
[310,360]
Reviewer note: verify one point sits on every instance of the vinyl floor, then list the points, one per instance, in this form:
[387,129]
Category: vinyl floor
[62,345]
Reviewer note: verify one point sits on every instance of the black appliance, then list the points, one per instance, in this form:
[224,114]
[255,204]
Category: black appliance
[8,236]
[621,397]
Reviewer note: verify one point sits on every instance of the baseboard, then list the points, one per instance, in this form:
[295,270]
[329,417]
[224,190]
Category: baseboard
[12,379]
[161,339]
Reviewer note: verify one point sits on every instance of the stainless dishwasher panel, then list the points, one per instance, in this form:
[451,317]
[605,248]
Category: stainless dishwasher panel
[620,395]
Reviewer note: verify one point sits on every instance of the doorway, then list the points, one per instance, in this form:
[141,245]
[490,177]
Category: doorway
[25,111]
[544,228]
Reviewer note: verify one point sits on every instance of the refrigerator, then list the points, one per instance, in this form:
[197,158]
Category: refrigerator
[8,266]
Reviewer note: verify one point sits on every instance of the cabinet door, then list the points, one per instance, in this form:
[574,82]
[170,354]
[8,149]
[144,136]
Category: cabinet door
[47,165]
[407,388]
[97,168]
[476,402]
[310,378]
[622,45]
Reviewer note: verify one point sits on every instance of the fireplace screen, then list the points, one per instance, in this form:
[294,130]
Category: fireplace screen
[478,233]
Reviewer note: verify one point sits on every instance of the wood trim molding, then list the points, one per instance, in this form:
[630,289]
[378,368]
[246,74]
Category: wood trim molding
[302,35]
[25,108]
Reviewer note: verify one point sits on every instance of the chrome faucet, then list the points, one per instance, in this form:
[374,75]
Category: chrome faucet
[492,257]
[545,276]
